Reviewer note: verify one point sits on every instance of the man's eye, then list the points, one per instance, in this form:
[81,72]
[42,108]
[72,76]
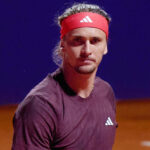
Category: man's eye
[76,41]
[95,40]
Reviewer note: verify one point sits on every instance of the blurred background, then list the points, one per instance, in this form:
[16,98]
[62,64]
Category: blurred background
[28,35]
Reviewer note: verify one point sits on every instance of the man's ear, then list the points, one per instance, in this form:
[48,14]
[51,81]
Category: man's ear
[62,45]
[105,50]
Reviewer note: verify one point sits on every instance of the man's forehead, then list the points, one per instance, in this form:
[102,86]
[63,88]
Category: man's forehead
[87,32]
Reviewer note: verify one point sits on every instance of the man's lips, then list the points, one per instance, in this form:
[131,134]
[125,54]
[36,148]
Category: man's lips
[84,61]
[87,59]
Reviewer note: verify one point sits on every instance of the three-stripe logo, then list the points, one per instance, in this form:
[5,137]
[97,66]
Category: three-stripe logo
[86,19]
[109,122]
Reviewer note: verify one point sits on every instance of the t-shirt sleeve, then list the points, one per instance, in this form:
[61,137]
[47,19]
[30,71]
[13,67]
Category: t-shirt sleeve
[34,125]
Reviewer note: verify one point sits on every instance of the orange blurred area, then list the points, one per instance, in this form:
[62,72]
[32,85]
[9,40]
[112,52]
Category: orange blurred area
[133,132]
[6,128]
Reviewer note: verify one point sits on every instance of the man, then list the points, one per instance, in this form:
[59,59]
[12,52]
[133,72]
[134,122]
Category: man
[71,109]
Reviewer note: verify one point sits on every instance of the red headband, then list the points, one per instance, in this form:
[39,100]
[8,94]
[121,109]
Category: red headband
[84,19]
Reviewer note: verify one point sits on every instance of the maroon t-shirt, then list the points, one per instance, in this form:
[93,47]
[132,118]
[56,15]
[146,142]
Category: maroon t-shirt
[53,117]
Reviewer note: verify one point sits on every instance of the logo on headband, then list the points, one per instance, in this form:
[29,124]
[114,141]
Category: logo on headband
[86,19]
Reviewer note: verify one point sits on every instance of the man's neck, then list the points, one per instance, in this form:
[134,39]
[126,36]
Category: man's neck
[82,84]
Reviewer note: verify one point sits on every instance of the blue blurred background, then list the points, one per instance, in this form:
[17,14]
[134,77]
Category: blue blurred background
[28,34]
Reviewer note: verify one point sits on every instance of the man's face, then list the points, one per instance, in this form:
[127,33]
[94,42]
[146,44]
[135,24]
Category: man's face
[83,49]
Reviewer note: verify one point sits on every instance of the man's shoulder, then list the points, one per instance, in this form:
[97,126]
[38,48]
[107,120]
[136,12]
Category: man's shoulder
[46,87]
[44,96]
[99,82]
[105,89]
[102,86]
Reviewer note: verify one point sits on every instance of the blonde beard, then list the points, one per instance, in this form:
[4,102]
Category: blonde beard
[83,70]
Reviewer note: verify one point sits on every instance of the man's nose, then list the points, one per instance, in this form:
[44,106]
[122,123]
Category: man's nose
[86,50]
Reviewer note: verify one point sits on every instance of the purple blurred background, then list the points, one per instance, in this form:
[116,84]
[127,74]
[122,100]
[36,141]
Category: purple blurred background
[28,34]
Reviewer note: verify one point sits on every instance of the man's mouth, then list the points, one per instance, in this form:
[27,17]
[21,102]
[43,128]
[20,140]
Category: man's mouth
[86,61]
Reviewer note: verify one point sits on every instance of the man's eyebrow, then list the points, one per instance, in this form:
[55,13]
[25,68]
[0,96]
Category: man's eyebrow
[97,37]
[76,35]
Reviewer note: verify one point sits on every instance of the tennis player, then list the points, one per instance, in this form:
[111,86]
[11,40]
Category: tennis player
[72,108]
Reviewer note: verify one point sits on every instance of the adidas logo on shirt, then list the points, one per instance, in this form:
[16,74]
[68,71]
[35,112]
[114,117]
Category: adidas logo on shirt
[86,19]
[109,122]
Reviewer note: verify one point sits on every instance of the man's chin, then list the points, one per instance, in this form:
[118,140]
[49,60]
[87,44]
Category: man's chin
[85,70]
